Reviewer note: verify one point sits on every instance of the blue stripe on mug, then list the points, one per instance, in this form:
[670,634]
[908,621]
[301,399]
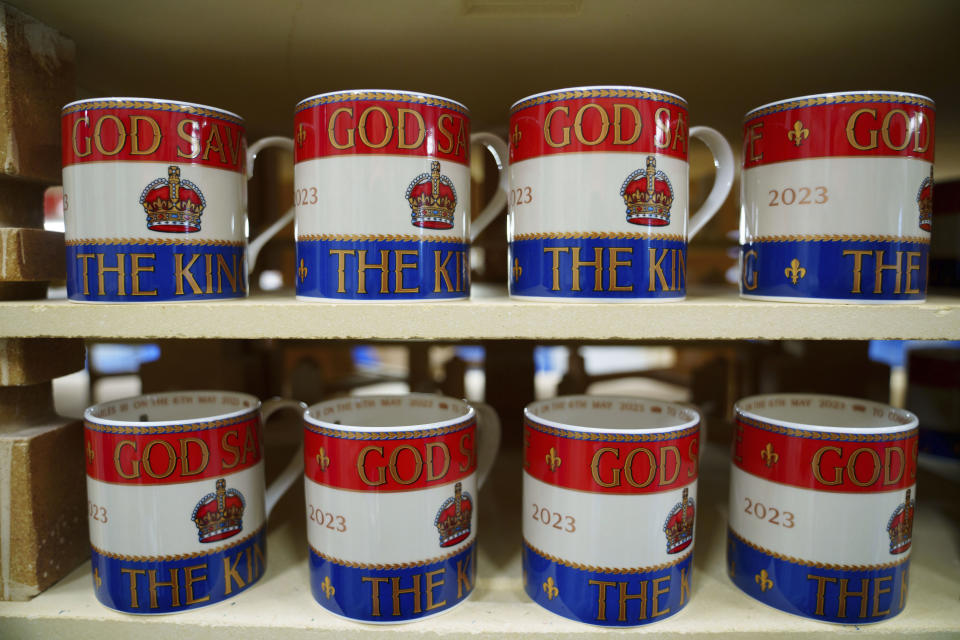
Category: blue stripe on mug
[151,272]
[607,597]
[380,269]
[141,585]
[598,268]
[835,269]
[400,593]
[851,595]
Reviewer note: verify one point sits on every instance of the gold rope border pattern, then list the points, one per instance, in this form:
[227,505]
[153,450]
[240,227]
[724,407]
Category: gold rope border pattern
[824,435]
[391,567]
[181,556]
[156,241]
[847,237]
[817,565]
[408,434]
[151,105]
[593,569]
[170,428]
[847,98]
[394,237]
[598,93]
[597,235]
[612,437]
[356,96]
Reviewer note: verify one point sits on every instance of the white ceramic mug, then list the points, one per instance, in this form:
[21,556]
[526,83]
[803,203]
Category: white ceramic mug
[155,201]
[176,499]
[599,194]
[837,198]
[609,505]
[391,490]
[822,501]
[382,196]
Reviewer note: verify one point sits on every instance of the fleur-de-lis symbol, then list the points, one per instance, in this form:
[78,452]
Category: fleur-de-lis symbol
[795,272]
[302,271]
[90,453]
[97,580]
[515,138]
[517,269]
[763,579]
[327,587]
[301,135]
[799,133]
[550,588]
[322,460]
[553,460]
[769,456]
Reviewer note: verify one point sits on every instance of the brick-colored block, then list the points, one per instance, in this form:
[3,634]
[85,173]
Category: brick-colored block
[37,77]
[31,255]
[35,360]
[43,528]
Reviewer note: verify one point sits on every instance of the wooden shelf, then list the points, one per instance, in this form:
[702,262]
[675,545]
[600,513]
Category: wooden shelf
[281,606]
[717,314]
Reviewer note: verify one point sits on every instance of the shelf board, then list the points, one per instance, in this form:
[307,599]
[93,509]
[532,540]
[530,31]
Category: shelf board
[711,314]
[281,606]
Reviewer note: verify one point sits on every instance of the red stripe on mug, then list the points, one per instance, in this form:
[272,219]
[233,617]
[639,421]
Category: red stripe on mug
[395,464]
[599,124]
[151,135]
[380,127]
[169,458]
[849,463]
[605,465]
[858,129]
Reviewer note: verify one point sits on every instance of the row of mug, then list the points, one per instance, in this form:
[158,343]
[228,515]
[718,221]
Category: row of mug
[836,197]
[178,510]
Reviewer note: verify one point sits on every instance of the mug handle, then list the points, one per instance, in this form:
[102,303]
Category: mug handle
[498,149]
[294,469]
[723,161]
[256,244]
[488,439]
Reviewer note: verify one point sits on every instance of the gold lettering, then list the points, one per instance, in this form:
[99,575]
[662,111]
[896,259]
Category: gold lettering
[597,265]
[852,463]
[135,270]
[230,448]
[215,144]
[431,585]
[642,596]
[877,592]
[821,587]
[880,268]
[817,473]
[614,263]
[120,270]
[361,467]
[680,135]
[911,267]
[185,456]
[83,257]
[445,461]
[663,465]
[903,586]
[465,574]
[76,148]
[628,468]
[98,138]
[388,123]
[595,467]
[233,275]
[447,134]
[362,267]
[135,471]
[401,131]
[181,273]
[135,149]
[885,129]
[173,584]
[753,135]
[601,597]
[440,271]
[418,464]
[693,453]
[332,130]
[751,285]
[231,575]
[888,465]
[414,590]
[171,459]
[657,270]
[851,126]
[918,127]
[618,124]
[134,600]
[341,259]
[661,118]
[374,593]
[844,594]
[556,251]
[684,586]
[657,592]
[192,138]
[857,267]
[189,579]
[546,129]
[578,125]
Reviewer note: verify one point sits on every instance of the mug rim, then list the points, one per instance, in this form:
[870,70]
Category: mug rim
[88,413]
[420,94]
[590,87]
[912,420]
[438,424]
[696,420]
[857,92]
[76,103]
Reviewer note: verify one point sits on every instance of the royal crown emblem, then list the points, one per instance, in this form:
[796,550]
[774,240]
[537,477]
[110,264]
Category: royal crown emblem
[925,202]
[679,525]
[648,195]
[433,199]
[453,518]
[173,205]
[900,526]
[219,515]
